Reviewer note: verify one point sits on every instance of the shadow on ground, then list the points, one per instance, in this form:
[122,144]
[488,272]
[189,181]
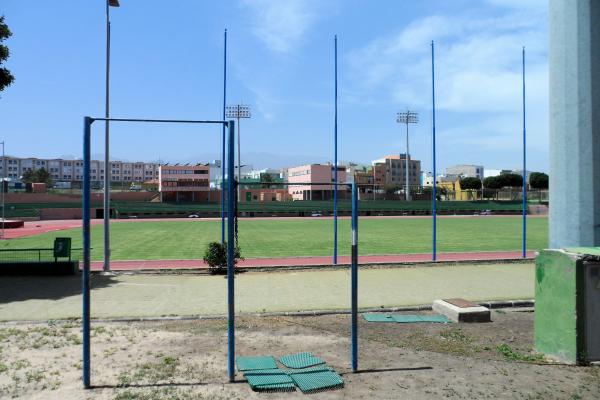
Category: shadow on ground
[21,288]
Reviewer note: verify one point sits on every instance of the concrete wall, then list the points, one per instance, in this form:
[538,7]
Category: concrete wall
[574,123]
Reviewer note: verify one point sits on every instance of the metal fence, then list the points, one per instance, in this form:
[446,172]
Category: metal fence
[36,255]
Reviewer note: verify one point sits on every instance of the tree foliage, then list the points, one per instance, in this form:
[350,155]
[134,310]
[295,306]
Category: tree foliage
[37,176]
[470,183]
[6,78]
[502,181]
[538,180]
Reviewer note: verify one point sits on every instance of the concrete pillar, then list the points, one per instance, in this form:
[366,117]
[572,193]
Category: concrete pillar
[574,123]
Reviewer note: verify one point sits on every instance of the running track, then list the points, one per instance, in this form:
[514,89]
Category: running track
[139,265]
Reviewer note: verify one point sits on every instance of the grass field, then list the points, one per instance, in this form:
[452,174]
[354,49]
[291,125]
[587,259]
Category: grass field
[187,239]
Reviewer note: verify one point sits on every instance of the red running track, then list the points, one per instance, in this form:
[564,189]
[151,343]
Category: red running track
[138,265]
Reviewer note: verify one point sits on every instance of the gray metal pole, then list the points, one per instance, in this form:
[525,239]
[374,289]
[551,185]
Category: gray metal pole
[407,187]
[238,149]
[574,123]
[107,169]
[3,183]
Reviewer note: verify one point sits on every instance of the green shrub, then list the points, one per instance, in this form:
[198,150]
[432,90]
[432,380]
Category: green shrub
[216,257]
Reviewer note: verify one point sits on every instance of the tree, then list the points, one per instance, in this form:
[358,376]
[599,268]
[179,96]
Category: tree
[538,180]
[492,182]
[6,78]
[266,178]
[503,180]
[37,176]
[511,180]
[43,176]
[470,183]
[28,176]
[391,188]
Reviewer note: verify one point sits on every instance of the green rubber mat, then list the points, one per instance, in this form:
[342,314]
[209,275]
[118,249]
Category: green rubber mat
[378,317]
[419,318]
[300,360]
[270,380]
[316,379]
[255,363]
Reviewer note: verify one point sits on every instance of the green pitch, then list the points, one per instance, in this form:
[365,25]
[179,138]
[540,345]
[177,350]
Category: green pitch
[187,239]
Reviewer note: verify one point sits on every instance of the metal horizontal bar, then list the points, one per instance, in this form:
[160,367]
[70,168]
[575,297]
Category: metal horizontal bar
[295,184]
[177,121]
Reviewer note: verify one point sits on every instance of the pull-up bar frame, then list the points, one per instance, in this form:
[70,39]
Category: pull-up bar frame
[231,188]
[85,278]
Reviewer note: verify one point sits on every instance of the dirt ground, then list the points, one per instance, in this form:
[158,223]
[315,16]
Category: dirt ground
[187,359]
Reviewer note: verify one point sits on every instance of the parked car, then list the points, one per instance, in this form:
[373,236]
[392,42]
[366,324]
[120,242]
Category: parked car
[193,216]
[316,214]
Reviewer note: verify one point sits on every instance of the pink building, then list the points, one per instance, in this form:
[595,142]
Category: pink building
[313,174]
[184,183]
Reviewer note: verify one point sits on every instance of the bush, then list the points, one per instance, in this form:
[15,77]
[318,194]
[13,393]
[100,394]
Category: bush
[216,257]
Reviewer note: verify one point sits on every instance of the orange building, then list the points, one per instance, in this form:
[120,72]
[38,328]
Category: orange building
[184,183]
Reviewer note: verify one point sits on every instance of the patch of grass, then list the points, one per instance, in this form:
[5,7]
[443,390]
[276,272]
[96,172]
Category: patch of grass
[187,239]
[168,394]
[514,355]
[151,372]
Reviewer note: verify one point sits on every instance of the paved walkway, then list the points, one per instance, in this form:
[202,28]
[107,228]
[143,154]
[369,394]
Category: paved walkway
[140,265]
[157,295]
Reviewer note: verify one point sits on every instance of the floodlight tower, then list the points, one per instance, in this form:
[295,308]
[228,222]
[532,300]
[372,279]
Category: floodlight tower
[107,169]
[407,117]
[238,111]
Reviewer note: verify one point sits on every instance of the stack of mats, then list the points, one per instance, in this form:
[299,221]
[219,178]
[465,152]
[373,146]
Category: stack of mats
[401,318]
[306,371]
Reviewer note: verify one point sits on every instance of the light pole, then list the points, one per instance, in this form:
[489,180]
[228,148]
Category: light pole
[408,117]
[238,111]
[107,169]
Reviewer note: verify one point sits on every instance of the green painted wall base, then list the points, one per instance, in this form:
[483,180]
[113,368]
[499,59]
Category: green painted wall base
[559,303]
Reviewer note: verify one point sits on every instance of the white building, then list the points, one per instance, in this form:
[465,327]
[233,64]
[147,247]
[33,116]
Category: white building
[466,170]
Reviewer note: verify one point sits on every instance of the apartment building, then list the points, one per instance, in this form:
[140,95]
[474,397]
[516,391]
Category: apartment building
[312,174]
[181,183]
[391,170]
[72,170]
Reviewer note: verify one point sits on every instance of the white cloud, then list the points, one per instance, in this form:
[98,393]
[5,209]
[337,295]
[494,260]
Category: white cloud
[478,62]
[478,80]
[280,24]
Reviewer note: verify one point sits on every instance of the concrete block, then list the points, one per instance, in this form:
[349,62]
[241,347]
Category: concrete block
[475,313]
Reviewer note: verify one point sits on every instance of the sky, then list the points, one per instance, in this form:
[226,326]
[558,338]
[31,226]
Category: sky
[167,62]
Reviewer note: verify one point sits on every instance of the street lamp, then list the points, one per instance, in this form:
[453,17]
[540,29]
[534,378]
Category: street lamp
[408,117]
[107,169]
[238,111]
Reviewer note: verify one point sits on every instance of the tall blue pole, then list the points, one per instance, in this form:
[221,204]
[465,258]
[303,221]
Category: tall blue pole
[223,141]
[354,278]
[85,277]
[434,199]
[524,245]
[231,254]
[335,160]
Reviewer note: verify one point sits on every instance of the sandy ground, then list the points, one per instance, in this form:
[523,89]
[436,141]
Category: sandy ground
[187,360]
[158,295]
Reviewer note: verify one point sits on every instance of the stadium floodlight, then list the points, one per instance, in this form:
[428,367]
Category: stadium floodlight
[238,111]
[407,117]
[107,167]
